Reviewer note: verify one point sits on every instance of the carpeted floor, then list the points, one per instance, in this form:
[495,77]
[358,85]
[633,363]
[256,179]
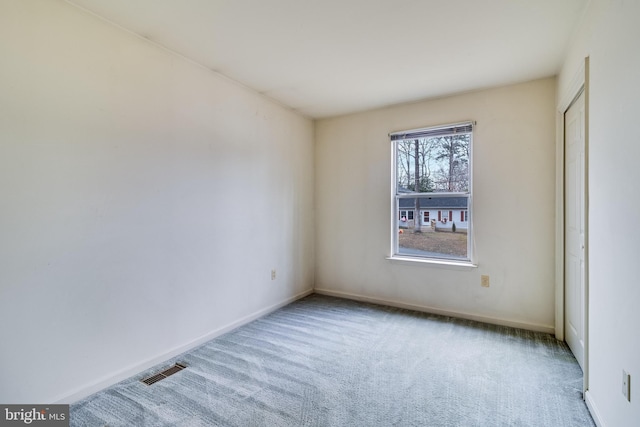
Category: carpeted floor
[325,361]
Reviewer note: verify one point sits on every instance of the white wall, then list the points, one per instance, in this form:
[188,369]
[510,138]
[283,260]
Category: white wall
[144,201]
[609,36]
[514,155]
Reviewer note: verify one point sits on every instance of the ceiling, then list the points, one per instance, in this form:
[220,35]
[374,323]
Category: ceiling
[326,58]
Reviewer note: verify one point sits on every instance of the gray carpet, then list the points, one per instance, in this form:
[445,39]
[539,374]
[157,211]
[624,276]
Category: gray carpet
[325,361]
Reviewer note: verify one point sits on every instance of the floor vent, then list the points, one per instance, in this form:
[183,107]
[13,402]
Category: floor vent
[164,374]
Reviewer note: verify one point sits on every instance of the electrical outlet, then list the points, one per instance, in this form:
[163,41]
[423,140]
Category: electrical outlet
[484,281]
[273,274]
[626,385]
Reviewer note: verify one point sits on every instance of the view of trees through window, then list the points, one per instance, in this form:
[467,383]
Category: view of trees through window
[433,182]
[438,164]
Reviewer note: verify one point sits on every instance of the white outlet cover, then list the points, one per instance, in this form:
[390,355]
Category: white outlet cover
[626,385]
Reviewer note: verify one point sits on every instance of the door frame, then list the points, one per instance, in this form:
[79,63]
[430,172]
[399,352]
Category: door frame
[579,82]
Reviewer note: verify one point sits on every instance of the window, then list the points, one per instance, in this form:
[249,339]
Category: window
[406,215]
[432,172]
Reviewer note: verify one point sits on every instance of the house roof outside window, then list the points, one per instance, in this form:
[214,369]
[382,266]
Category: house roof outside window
[435,203]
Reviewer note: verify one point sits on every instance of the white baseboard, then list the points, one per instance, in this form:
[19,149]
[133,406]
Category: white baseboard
[595,414]
[132,370]
[484,319]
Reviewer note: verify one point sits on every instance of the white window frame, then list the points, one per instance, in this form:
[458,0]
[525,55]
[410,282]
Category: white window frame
[396,196]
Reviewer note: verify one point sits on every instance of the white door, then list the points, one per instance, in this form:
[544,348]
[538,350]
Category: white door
[574,228]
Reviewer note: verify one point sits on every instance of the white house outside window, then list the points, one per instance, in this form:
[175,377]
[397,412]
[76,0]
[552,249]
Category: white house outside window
[432,179]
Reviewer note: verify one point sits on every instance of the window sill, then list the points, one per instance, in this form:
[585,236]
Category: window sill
[445,263]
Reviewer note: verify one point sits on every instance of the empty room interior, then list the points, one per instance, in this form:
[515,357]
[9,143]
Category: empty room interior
[355,212]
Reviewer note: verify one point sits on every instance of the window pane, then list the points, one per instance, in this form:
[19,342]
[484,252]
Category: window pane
[435,164]
[439,233]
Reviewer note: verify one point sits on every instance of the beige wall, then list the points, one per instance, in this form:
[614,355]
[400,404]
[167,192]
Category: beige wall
[513,216]
[144,201]
[609,35]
